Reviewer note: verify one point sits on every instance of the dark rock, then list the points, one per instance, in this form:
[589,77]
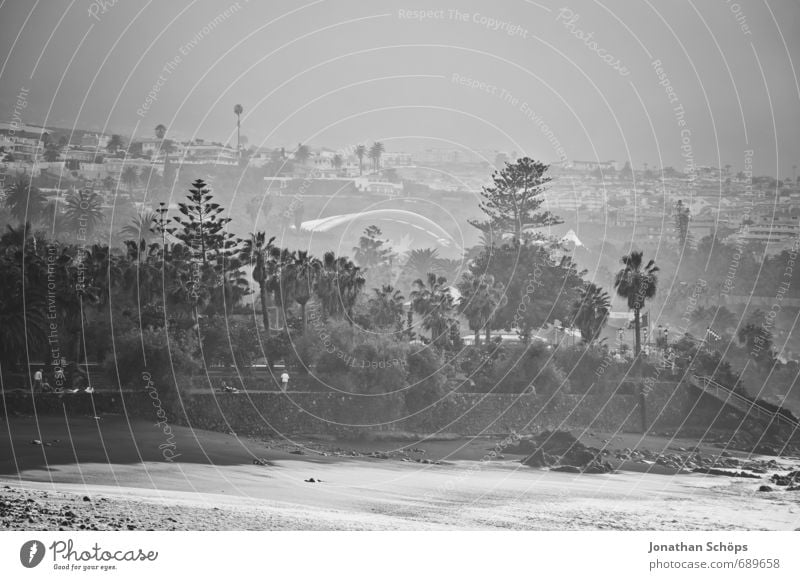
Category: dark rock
[551,447]
[764,488]
[713,471]
[781,480]
[536,459]
[566,469]
[86,498]
[598,467]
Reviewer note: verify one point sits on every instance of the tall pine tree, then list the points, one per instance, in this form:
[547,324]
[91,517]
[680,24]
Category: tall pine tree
[202,227]
[511,204]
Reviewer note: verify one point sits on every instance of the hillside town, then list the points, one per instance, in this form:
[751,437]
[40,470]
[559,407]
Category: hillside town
[628,203]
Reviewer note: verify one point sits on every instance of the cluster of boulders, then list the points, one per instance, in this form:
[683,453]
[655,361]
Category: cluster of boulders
[560,451]
[750,440]
[791,481]
[694,461]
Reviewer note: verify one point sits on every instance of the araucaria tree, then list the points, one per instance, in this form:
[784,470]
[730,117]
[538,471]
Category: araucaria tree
[202,227]
[372,251]
[211,276]
[512,203]
[682,217]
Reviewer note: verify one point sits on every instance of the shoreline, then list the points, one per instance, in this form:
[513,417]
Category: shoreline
[227,482]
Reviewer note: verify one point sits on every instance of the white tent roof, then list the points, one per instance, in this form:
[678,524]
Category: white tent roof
[572,237]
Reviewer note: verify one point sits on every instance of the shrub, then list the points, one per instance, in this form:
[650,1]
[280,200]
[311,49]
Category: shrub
[587,365]
[153,352]
[229,342]
[427,378]
[358,362]
[379,366]
[528,365]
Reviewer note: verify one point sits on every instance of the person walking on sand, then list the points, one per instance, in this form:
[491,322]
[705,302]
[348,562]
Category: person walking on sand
[284,381]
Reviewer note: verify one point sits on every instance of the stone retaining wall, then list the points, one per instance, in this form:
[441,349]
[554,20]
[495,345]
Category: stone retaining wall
[267,413]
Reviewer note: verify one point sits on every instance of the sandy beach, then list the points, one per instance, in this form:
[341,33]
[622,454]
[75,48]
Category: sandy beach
[108,473]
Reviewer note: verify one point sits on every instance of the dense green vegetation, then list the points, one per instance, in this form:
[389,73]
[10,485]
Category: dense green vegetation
[181,293]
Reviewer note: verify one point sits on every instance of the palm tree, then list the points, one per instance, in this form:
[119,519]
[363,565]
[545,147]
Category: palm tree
[481,297]
[636,282]
[351,283]
[278,264]
[161,131]
[25,202]
[450,268]
[301,279]
[432,300]
[361,151]
[256,252]
[338,285]
[84,212]
[386,307]
[590,312]
[141,227]
[23,279]
[238,110]
[375,153]
[233,284]
[420,262]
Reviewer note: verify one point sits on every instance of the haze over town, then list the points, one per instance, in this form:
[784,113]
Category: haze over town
[349,265]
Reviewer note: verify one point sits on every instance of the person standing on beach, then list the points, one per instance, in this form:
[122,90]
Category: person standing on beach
[284,381]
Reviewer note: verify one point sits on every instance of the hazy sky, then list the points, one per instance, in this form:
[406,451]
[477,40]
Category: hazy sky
[338,72]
